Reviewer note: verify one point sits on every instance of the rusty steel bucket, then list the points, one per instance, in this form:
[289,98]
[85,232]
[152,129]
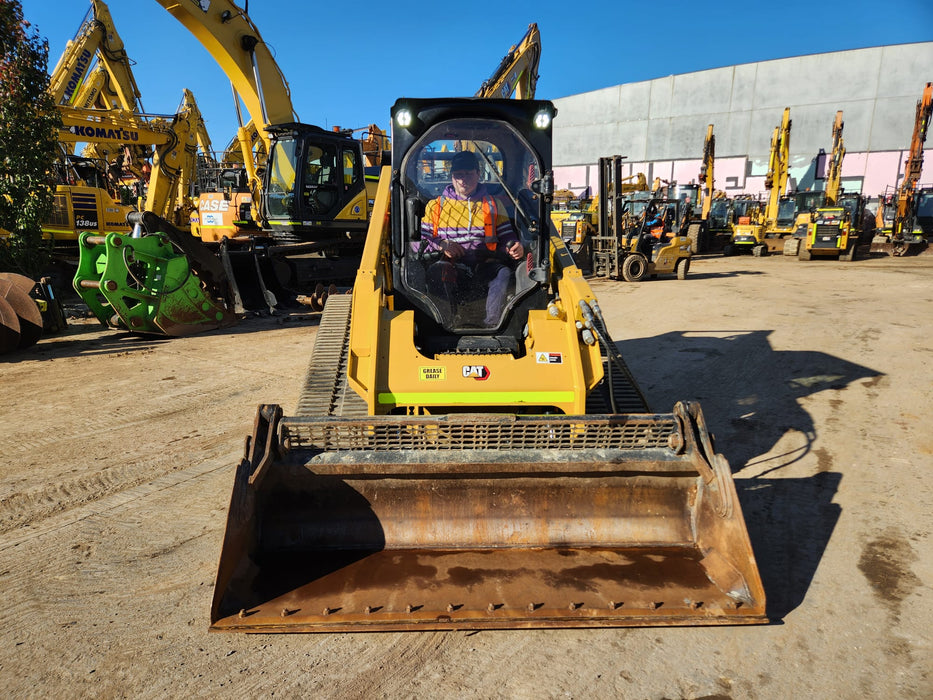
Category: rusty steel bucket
[483,522]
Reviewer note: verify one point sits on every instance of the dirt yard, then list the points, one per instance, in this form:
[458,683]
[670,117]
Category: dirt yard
[117,457]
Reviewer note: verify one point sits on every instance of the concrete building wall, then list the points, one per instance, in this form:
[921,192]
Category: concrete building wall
[660,124]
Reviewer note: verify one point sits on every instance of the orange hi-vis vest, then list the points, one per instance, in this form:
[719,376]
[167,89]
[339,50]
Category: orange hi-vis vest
[490,213]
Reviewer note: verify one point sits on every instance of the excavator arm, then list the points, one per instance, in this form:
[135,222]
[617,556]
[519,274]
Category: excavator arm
[834,171]
[232,39]
[776,178]
[174,165]
[914,164]
[518,72]
[112,126]
[97,35]
[706,172]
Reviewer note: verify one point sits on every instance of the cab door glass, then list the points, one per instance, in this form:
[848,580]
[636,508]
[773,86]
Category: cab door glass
[280,191]
[319,192]
[474,287]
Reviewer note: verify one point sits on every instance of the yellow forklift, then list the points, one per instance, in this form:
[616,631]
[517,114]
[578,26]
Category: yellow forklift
[640,234]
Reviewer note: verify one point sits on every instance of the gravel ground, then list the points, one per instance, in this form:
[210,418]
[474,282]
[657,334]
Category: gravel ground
[117,457]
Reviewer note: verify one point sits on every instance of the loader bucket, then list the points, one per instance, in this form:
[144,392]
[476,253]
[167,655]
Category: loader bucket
[482,522]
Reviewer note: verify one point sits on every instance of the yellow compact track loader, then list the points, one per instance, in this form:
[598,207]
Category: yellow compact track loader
[460,464]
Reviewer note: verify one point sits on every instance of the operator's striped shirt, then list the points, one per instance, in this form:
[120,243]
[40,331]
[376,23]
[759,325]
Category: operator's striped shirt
[480,224]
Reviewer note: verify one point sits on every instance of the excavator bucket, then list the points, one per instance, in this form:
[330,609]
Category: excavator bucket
[470,521]
[20,317]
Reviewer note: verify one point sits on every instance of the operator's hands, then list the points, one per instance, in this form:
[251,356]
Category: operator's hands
[452,250]
[516,251]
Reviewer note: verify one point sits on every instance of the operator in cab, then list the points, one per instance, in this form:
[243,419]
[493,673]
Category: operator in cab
[470,230]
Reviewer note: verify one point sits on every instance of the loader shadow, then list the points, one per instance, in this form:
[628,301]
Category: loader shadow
[789,523]
[750,393]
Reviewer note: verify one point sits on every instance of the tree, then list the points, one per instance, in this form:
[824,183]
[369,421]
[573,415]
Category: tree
[28,143]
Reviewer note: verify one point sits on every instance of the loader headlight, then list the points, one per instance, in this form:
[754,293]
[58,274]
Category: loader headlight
[542,119]
[404,118]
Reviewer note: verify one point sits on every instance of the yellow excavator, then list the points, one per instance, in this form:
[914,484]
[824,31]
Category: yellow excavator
[85,198]
[766,233]
[89,195]
[836,228]
[901,227]
[448,469]
[304,217]
[100,105]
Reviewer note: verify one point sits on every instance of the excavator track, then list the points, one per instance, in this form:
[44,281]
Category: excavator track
[325,391]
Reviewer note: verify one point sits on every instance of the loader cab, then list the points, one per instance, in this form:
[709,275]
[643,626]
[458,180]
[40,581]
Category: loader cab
[511,141]
[720,214]
[745,211]
[809,201]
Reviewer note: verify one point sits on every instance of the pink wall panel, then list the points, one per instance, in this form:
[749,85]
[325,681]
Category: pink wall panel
[870,173]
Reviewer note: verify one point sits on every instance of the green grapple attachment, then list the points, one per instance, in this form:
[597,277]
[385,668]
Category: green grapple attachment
[149,284]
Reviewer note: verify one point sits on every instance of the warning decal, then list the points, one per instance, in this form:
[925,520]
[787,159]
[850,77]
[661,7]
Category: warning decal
[549,358]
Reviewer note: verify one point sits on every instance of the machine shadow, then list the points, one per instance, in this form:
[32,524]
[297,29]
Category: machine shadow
[789,523]
[94,340]
[750,393]
[721,275]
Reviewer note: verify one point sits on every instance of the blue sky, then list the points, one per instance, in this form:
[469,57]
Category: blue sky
[346,63]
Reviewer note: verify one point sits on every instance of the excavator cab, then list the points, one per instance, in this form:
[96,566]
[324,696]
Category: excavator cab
[314,188]
[483,298]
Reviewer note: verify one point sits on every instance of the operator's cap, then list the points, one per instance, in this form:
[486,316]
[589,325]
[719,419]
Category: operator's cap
[464,160]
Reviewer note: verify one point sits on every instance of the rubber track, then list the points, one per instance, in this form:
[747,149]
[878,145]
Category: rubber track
[629,398]
[325,391]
